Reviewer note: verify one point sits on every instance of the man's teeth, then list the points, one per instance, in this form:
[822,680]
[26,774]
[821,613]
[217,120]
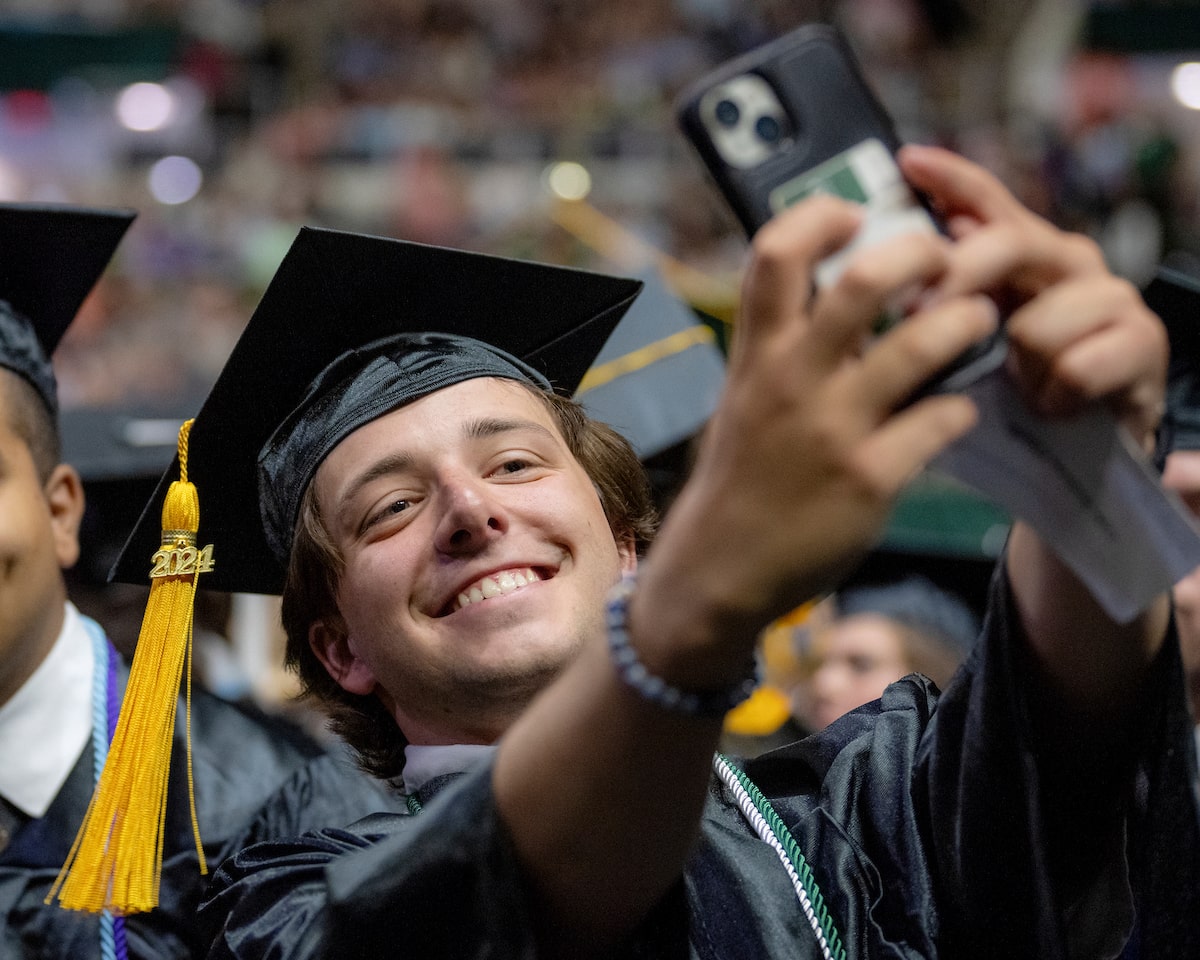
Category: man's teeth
[496,586]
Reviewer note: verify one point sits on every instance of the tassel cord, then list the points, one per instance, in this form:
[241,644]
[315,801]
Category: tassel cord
[115,863]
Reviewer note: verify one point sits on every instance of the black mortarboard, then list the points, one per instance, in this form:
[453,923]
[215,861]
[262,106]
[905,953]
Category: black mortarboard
[350,327]
[917,602]
[1175,297]
[120,452]
[50,258]
[659,377]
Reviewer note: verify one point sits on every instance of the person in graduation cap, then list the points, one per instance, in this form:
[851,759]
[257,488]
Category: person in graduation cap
[1167,856]
[872,633]
[467,580]
[61,680]
[1175,296]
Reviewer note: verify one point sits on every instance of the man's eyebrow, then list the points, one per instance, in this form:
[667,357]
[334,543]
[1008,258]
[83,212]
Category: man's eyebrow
[486,427]
[384,466]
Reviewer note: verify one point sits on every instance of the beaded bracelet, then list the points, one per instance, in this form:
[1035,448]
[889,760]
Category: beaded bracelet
[707,703]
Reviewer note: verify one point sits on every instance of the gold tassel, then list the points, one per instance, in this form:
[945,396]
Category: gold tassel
[116,860]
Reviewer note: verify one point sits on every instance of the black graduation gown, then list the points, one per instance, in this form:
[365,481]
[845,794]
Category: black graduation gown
[240,756]
[931,833]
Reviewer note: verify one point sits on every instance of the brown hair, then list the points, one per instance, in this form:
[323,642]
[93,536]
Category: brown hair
[929,652]
[32,421]
[316,567]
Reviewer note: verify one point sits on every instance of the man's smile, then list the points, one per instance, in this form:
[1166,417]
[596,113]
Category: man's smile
[495,584]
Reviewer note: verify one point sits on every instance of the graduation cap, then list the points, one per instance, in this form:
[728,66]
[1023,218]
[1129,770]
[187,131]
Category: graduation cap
[917,601]
[350,328]
[50,258]
[659,377]
[1175,297]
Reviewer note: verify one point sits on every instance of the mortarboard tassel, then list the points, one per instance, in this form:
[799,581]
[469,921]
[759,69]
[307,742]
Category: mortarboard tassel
[116,860]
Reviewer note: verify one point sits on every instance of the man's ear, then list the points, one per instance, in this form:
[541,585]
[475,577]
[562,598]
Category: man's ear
[64,494]
[627,551]
[331,645]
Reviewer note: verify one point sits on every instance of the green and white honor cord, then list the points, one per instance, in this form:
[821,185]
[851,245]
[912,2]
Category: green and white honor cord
[771,829]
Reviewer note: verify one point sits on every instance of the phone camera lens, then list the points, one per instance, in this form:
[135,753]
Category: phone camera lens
[727,113]
[768,129]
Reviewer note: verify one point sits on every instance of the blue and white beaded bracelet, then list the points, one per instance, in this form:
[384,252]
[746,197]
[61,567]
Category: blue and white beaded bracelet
[655,690]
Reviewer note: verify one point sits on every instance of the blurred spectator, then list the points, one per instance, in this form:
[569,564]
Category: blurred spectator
[873,634]
[1175,296]
[1182,474]
[824,660]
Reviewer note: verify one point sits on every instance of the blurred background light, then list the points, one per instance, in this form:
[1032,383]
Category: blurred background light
[569,180]
[145,106]
[28,110]
[1185,84]
[175,180]
[11,185]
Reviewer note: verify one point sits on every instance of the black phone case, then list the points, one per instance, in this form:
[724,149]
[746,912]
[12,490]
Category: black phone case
[830,106]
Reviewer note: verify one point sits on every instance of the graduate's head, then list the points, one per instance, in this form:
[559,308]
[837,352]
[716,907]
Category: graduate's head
[876,633]
[28,418]
[50,257]
[1175,297]
[390,449]
[466,541]
[41,503]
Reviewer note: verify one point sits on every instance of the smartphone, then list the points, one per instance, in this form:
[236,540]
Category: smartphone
[797,117]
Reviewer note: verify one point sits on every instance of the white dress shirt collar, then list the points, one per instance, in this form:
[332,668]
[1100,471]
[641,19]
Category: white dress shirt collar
[46,724]
[422,764]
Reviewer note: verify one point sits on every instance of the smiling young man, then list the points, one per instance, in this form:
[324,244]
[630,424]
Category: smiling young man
[457,626]
[449,536]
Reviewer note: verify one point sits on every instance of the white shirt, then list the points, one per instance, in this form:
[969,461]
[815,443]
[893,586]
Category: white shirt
[422,764]
[46,724]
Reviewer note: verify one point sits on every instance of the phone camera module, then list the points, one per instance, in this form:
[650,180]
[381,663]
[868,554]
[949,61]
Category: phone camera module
[768,129]
[745,120]
[727,113]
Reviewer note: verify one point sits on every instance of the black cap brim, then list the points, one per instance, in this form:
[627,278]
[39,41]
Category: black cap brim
[51,256]
[658,379]
[334,292]
[1175,297]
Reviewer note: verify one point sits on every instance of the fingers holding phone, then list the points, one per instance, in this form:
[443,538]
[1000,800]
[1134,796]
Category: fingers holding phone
[803,336]
[1004,245]
[1076,333]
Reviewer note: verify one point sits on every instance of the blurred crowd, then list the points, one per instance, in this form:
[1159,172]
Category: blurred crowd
[437,120]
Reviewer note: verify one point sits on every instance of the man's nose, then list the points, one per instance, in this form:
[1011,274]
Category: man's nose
[471,515]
